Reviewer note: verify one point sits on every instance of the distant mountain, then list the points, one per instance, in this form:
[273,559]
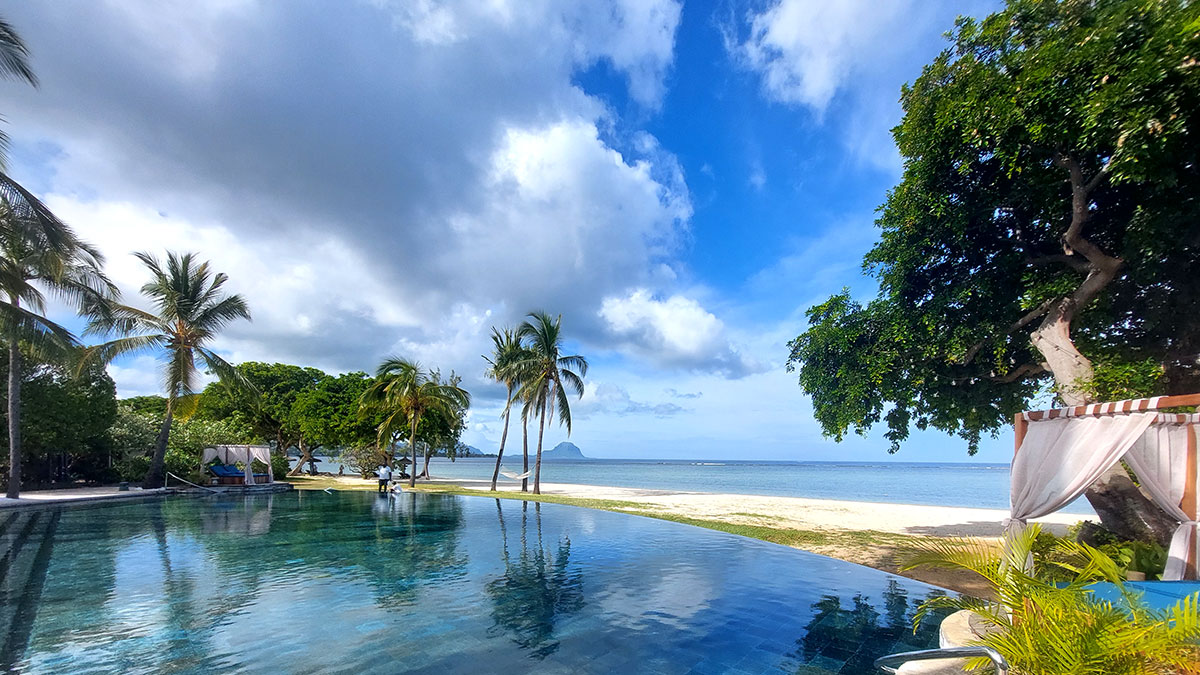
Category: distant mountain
[564,450]
[473,451]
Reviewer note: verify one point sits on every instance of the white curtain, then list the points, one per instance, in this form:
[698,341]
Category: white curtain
[1061,457]
[263,454]
[232,454]
[1159,458]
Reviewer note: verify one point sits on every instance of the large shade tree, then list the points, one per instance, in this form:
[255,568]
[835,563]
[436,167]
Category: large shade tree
[269,408]
[548,377]
[403,393]
[1044,238]
[189,310]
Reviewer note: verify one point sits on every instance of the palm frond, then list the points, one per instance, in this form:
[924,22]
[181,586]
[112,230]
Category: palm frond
[104,353]
[14,55]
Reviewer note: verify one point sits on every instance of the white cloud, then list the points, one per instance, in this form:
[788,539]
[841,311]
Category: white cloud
[807,49]
[817,54]
[610,398]
[400,191]
[675,332]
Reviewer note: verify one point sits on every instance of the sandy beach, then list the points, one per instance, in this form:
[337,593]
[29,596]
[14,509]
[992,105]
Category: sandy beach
[799,512]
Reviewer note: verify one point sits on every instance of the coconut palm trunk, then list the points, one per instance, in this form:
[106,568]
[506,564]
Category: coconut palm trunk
[503,439]
[525,453]
[412,444]
[156,475]
[14,417]
[537,467]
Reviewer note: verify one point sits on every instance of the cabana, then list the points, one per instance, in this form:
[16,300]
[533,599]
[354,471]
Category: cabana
[232,454]
[1061,452]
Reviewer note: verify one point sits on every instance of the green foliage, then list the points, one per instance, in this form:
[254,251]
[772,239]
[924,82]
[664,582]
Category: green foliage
[1117,380]
[64,422]
[330,413]
[133,435]
[154,406]
[133,432]
[971,255]
[1149,558]
[268,409]
[1048,628]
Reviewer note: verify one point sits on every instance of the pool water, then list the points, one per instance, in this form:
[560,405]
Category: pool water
[354,582]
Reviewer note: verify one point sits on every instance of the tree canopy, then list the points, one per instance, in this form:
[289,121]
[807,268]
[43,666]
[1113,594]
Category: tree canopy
[1045,235]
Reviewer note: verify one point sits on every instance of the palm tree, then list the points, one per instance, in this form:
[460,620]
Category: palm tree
[39,254]
[1044,626]
[548,375]
[189,311]
[14,65]
[507,356]
[406,393]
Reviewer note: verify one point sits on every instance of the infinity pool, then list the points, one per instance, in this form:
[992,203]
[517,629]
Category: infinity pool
[354,582]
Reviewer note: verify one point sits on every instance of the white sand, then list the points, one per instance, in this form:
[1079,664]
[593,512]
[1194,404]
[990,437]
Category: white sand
[799,512]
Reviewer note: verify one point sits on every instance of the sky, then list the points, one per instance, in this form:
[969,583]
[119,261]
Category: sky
[680,181]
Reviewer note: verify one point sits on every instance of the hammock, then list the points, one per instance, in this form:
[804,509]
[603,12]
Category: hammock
[514,476]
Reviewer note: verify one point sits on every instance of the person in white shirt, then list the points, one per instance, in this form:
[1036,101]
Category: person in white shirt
[385,477]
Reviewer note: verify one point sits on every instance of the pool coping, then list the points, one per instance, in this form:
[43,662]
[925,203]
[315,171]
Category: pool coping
[137,495]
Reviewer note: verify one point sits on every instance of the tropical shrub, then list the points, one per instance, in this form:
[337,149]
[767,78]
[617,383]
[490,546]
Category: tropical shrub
[1048,628]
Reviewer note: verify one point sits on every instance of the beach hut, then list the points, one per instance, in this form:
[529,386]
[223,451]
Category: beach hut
[1061,452]
[230,455]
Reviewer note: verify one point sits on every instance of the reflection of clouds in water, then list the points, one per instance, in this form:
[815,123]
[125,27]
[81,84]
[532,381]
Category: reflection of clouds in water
[587,522]
[674,596]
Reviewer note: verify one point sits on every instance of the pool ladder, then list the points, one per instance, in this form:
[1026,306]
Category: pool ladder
[891,662]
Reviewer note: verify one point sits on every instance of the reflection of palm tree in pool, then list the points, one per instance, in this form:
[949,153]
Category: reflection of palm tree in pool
[856,636]
[536,590]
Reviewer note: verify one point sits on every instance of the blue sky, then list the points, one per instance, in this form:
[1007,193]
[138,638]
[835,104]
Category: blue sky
[679,180]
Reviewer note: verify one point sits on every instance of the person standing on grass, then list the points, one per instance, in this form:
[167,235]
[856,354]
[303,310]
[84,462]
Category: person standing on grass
[385,477]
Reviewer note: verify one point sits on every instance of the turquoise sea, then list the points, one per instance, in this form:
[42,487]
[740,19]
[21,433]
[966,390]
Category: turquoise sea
[948,484]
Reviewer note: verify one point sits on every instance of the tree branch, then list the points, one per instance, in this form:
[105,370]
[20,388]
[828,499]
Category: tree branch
[1012,376]
[1073,261]
[1081,212]
[1018,373]
[1016,326]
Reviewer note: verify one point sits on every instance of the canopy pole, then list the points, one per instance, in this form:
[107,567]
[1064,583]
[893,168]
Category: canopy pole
[1020,428]
[1189,496]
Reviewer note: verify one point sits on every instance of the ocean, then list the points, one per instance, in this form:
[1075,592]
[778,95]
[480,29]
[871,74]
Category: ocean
[948,484]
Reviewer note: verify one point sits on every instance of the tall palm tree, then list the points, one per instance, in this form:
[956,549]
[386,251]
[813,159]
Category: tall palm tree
[406,393]
[14,65]
[39,255]
[189,311]
[505,366]
[548,375]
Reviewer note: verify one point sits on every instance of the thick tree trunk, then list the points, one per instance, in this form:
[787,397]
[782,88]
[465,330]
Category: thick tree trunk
[537,471]
[1122,507]
[305,456]
[503,440]
[157,473]
[425,469]
[14,419]
[524,453]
